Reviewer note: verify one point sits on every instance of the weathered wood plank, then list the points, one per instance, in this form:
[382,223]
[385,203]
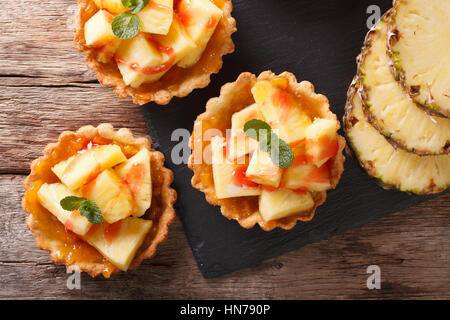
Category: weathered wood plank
[36,42]
[412,249]
[32,117]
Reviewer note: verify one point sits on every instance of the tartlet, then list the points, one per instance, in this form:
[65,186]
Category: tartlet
[234,98]
[73,249]
[177,81]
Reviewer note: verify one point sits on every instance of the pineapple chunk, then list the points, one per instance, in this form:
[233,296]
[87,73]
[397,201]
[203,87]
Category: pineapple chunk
[78,169]
[223,173]
[119,242]
[98,33]
[240,144]
[321,141]
[307,176]
[111,194]
[138,59]
[97,30]
[283,203]
[50,195]
[281,111]
[262,170]
[178,40]
[157,16]
[200,17]
[136,173]
[113,6]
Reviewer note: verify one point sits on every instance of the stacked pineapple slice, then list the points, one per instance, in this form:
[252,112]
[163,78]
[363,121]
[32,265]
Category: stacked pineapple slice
[120,187]
[172,33]
[242,169]
[393,134]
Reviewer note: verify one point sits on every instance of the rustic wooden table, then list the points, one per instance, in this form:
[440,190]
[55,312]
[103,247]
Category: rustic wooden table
[46,88]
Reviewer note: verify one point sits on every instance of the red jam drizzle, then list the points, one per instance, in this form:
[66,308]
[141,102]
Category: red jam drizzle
[93,229]
[211,23]
[329,147]
[135,177]
[159,7]
[320,175]
[302,190]
[112,231]
[240,179]
[69,222]
[182,10]
[281,98]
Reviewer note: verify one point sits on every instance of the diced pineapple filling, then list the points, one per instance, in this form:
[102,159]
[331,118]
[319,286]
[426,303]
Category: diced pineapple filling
[282,192]
[170,34]
[120,187]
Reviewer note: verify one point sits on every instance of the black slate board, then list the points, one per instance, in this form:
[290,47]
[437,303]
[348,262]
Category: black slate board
[317,40]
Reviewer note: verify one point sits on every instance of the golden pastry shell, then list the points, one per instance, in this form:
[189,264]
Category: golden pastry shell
[177,82]
[236,96]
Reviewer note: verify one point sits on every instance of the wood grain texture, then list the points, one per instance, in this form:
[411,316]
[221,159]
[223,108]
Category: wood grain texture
[411,248]
[45,88]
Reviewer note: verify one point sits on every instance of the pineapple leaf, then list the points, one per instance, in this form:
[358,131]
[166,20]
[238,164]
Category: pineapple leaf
[126,25]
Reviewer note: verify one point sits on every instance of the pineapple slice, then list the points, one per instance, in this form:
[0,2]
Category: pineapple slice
[136,173]
[262,170]
[419,43]
[78,169]
[200,17]
[157,16]
[240,144]
[224,173]
[281,111]
[307,176]
[112,195]
[98,33]
[113,6]
[321,141]
[119,242]
[283,203]
[138,60]
[50,195]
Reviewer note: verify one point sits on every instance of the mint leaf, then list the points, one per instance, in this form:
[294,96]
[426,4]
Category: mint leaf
[91,211]
[135,5]
[257,129]
[280,152]
[282,155]
[126,25]
[71,203]
[87,208]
